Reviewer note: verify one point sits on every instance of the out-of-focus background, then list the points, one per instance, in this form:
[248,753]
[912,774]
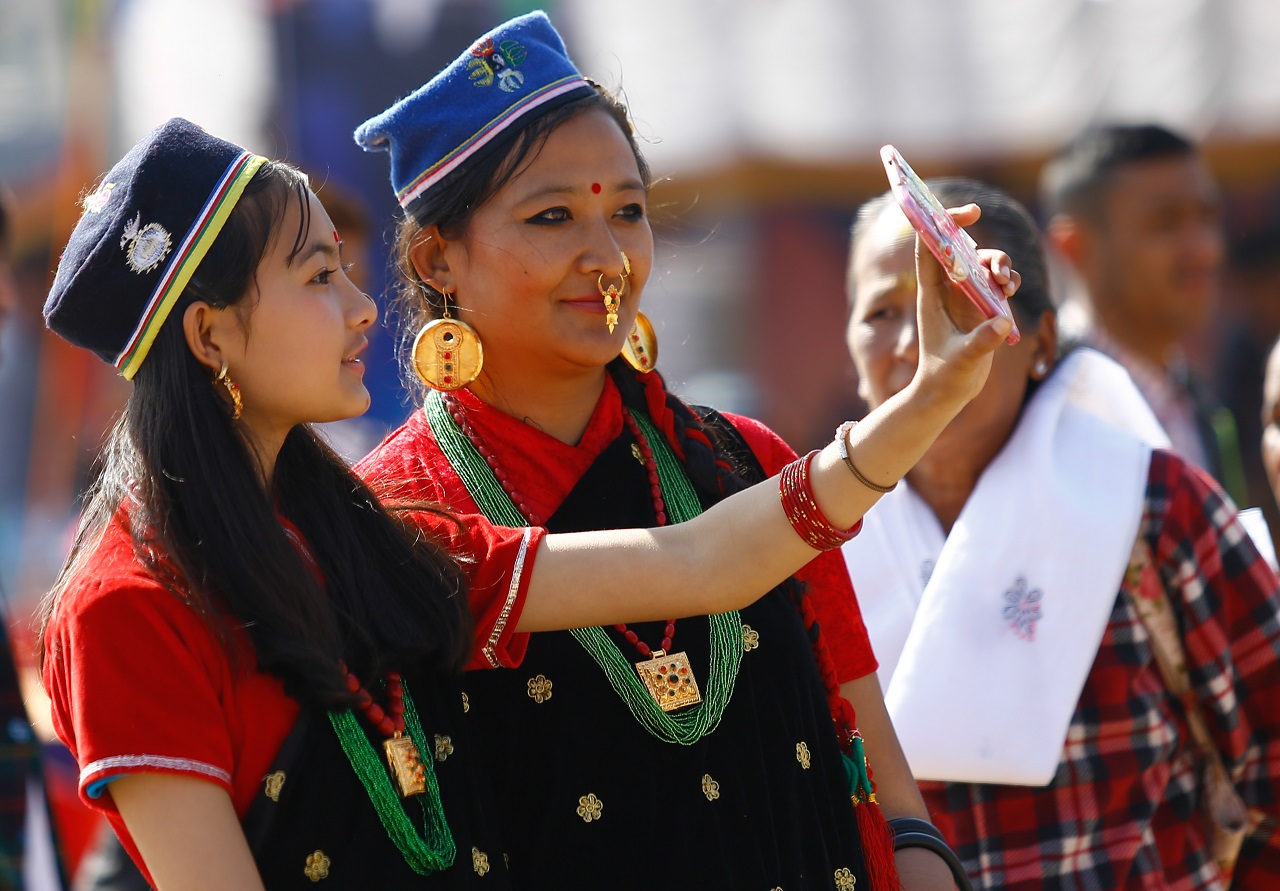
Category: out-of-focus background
[762,120]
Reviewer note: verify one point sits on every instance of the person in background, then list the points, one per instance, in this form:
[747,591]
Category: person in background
[1022,585]
[1136,214]
[28,847]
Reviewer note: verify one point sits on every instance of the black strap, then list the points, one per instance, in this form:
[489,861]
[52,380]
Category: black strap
[912,832]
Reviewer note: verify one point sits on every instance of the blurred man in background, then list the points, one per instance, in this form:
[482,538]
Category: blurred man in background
[1135,212]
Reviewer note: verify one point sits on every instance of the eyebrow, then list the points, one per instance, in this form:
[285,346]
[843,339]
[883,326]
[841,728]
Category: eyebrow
[627,185]
[331,251]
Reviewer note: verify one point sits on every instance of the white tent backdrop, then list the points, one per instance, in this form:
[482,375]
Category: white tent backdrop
[831,80]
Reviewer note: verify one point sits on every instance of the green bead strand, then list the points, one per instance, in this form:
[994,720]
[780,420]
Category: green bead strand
[425,853]
[681,728]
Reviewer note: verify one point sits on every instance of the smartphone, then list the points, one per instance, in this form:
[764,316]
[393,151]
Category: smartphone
[955,250]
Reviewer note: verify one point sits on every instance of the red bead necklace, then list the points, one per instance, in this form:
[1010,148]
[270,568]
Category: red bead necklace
[388,721]
[642,451]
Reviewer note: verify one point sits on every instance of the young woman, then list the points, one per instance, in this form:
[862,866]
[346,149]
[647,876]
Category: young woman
[1044,552]
[525,249]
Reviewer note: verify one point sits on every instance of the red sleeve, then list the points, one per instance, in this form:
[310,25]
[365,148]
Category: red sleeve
[408,467]
[498,562]
[135,677]
[826,575]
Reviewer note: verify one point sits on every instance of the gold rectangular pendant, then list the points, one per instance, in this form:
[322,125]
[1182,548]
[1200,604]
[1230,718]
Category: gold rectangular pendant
[670,681]
[406,765]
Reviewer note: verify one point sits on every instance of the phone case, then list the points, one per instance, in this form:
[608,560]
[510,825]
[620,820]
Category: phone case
[955,250]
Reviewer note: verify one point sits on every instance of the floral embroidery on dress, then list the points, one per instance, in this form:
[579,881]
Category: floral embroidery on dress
[750,638]
[500,62]
[479,861]
[1022,609]
[590,807]
[444,747]
[845,880]
[273,783]
[317,866]
[539,688]
[802,754]
[466,702]
[710,787]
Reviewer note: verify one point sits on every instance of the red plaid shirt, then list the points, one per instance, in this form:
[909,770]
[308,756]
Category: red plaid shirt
[1122,812]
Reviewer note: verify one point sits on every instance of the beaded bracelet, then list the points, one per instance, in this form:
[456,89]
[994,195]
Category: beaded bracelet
[842,440]
[802,510]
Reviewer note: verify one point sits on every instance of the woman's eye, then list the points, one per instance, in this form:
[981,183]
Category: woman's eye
[325,276]
[632,212]
[554,215]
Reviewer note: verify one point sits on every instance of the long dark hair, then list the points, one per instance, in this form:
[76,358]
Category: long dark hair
[359,588]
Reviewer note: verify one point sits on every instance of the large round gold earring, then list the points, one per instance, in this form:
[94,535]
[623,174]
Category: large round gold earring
[640,349]
[447,353]
[233,391]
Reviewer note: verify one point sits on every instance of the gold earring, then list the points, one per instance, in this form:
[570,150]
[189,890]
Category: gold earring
[640,349]
[233,391]
[447,353]
[612,296]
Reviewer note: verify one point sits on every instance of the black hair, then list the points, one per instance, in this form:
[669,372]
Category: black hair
[202,523]
[450,206]
[1075,179]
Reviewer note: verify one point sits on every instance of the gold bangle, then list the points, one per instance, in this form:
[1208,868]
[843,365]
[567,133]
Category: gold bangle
[842,441]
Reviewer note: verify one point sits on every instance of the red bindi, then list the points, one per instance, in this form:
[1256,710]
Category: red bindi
[595,188]
[335,236]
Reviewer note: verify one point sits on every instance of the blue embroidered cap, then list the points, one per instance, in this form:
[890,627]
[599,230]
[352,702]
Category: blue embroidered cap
[142,235]
[518,68]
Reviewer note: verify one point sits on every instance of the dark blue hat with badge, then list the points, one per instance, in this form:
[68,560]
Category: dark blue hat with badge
[141,237]
[519,68]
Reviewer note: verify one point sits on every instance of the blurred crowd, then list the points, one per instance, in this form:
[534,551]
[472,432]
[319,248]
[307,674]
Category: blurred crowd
[1154,263]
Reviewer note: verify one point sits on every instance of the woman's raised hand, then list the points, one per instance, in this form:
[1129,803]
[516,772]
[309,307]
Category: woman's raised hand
[956,340]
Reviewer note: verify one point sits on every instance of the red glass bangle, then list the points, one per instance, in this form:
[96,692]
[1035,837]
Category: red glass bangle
[801,507]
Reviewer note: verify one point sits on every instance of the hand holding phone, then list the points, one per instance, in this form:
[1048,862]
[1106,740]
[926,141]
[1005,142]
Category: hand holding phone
[955,250]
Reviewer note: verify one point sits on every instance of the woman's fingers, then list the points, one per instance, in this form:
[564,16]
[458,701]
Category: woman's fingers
[966,215]
[1006,277]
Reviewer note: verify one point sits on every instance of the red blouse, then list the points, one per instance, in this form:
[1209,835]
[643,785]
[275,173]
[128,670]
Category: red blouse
[409,465]
[139,683]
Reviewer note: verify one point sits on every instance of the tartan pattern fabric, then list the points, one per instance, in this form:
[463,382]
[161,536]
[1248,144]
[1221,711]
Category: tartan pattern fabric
[1122,811]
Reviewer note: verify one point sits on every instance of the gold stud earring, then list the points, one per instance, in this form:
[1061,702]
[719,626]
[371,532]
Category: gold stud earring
[447,353]
[613,294]
[233,391]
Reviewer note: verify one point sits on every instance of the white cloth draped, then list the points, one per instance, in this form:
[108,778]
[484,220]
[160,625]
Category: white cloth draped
[985,636]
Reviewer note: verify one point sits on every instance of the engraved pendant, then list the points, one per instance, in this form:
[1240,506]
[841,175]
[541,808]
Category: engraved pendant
[669,680]
[406,765]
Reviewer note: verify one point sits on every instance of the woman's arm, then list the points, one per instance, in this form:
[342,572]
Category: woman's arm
[896,789]
[733,553]
[187,832]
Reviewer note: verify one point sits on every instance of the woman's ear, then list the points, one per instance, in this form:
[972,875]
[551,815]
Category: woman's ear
[429,255]
[1045,354]
[201,325]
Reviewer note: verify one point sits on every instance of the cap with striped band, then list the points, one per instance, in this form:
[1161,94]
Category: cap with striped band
[518,68]
[121,273]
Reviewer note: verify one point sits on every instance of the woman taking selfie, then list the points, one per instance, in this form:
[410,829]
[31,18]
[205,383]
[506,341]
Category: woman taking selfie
[525,249]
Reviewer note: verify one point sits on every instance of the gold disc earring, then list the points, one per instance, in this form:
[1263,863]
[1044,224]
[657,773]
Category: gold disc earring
[613,294]
[233,391]
[447,353]
[640,349]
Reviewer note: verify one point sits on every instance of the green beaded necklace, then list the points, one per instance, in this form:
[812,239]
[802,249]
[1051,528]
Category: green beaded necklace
[433,849]
[682,728]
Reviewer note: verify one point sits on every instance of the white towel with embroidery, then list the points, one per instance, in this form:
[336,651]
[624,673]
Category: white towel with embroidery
[985,637]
